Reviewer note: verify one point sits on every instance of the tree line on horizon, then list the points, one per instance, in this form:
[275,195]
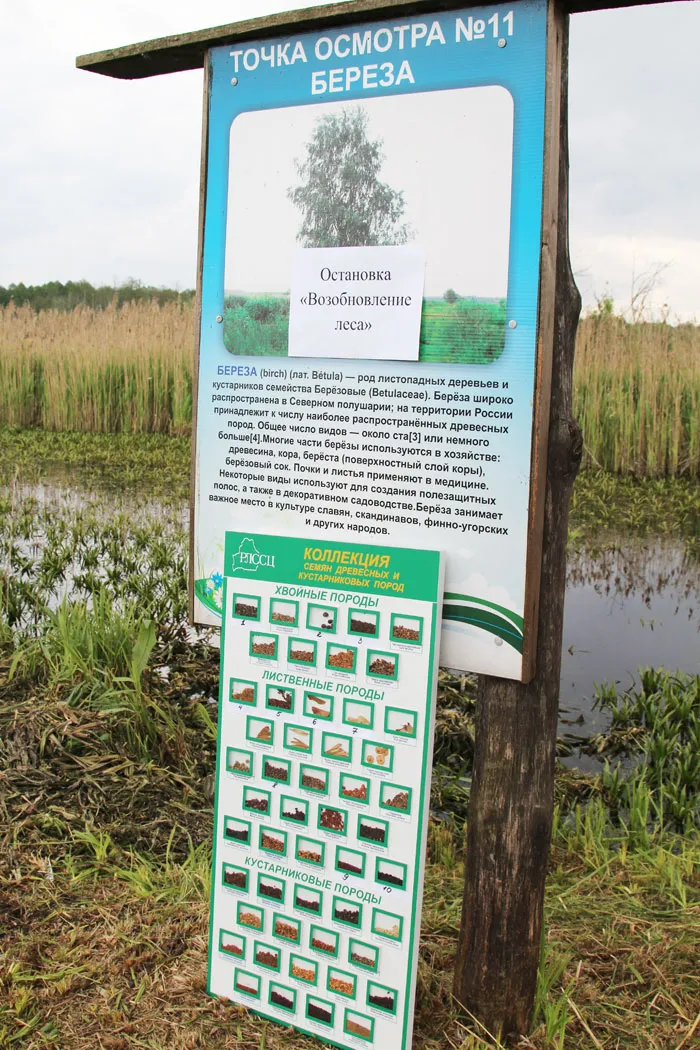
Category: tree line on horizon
[53,295]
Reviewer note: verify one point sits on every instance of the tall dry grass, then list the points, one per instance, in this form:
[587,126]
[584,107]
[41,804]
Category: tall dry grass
[129,368]
[126,368]
[637,395]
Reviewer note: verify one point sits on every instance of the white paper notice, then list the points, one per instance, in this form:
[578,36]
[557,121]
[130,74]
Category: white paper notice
[360,303]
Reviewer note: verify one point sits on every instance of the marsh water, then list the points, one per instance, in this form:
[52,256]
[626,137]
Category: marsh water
[630,602]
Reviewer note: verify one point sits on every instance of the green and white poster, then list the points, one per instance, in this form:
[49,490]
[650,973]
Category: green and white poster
[326,719]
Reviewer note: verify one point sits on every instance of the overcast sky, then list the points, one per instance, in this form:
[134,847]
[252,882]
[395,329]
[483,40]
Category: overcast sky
[100,177]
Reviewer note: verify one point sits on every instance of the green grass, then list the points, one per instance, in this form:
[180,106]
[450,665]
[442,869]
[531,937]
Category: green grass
[152,464]
[107,755]
[107,751]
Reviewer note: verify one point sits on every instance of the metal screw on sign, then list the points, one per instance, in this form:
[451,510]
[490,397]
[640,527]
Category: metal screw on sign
[219,318]
[502,42]
[512,324]
[234,81]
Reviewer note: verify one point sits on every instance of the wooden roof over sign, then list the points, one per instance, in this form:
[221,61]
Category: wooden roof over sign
[172,54]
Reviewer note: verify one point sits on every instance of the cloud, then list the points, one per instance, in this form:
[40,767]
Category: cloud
[100,176]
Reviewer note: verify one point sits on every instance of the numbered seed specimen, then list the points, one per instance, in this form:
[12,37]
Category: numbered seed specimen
[302,973]
[331,819]
[307,903]
[309,854]
[391,929]
[321,945]
[246,610]
[382,666]
[382,1000]
[372,832]
[319,1012]
[357,719]
[267,889]
[245,695]
[236,878]
[337,984]
[239,834]
[344,863]
[397,801]
[358,1028]
[280,698]
[363,626]
[347,914]
[268,841]
[286,930]
[362,960]
[250,918]
[359,792]
[343,659]
[377,755]
[264,648]
[337,750]
[305,655]
[280,999]
[244,983]
[232,947]
[267,958]
[300,739]
[319,706]
[389,877]
[261,803]
[405,632]
[310,781]
[280,617]
[290,811]
[274,772]
[264,734]
[240,765]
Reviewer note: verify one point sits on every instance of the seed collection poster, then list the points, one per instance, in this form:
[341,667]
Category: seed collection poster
[370,278]
[326,719]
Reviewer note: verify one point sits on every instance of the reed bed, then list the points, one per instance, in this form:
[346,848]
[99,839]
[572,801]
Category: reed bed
[637,396]
[126,368]
[129,369]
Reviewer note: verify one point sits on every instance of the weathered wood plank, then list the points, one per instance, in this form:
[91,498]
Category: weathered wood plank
[173,54]
[545,348]
[194,469]
[511,805]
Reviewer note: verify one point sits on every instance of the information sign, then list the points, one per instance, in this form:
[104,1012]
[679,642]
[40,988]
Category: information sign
[326,720]
[326,152]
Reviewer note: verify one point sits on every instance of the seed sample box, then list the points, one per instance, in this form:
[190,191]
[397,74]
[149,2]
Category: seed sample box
[326,720]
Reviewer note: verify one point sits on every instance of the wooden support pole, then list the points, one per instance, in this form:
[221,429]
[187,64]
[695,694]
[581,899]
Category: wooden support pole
[512,798]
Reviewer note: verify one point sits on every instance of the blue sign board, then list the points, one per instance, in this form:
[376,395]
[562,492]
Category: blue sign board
[423,136]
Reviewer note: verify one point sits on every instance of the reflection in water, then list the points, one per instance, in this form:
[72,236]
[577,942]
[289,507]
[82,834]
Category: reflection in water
[629,604]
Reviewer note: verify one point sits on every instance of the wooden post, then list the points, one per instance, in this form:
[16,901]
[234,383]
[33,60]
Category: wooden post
[512,798]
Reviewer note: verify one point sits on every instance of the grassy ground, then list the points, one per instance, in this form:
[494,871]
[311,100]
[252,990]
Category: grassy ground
[107,737]
[104,884]
[106,950]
